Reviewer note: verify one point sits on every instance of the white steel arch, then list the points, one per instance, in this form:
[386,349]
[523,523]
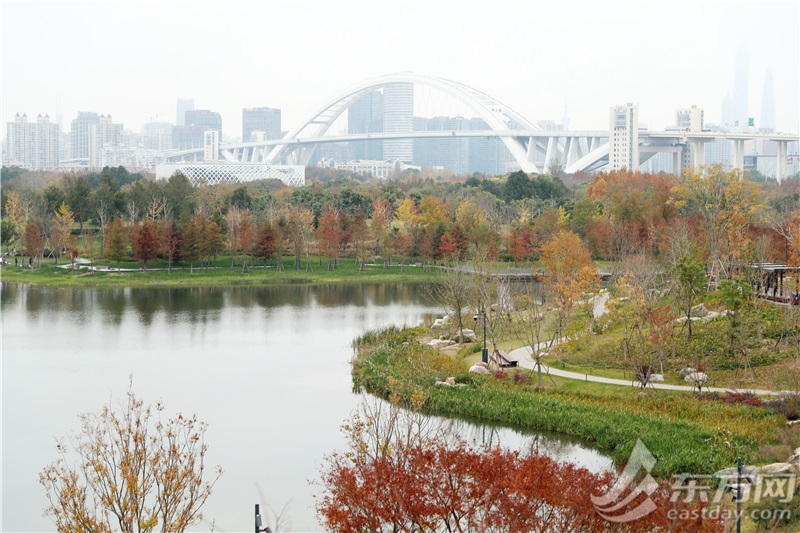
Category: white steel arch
[498,116]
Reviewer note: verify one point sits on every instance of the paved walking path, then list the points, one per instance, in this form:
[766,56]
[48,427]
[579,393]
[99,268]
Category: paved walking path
[523,355]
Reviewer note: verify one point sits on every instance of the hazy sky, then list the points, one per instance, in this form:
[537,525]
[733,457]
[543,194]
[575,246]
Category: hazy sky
[134,59]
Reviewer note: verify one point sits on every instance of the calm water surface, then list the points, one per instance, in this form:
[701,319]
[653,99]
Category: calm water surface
[266,367]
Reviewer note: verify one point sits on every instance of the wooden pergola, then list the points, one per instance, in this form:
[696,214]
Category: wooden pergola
[780,283]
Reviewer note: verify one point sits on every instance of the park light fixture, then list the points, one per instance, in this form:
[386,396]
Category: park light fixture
[259,529]
[482,314]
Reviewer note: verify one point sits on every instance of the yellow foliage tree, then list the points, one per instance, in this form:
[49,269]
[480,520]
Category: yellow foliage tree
[135,473]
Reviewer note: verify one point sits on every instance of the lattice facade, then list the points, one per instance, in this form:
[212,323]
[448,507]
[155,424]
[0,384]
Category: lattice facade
[213,173]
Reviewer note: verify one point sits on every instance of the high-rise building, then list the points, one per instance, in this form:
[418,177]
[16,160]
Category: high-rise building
[208,120]
[156,136]
[264,119]
[187,137]
[487,155]
[689,119]
[623,136]
[184,105]
[79,134]
[33,144]
[448,152]
[210,145]
[105,138]
[734,107]
[365,115]
[398,117]
[767,118]
[719,150]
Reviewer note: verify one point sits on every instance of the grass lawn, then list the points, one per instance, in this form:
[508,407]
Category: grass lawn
[223,274]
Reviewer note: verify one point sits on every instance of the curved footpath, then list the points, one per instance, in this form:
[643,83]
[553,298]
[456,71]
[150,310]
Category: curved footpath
[523,356]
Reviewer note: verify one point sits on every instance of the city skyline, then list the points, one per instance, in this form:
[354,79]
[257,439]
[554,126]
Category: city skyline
[585,57]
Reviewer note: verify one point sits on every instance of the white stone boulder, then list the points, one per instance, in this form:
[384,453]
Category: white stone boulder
[439,343]
[779,468]
[468,334]
[479,368]
[656,377]
[696,379]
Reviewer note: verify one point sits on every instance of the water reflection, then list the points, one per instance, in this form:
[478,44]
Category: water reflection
[266,367]
[203,305]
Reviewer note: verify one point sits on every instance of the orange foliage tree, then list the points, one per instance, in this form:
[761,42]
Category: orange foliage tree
[569,272]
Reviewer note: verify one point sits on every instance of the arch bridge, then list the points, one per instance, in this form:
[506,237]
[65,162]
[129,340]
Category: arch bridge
[531,147]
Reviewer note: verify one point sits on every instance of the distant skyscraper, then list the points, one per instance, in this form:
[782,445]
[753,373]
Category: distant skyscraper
[104,138]
[187,137]
[209,120]
[365,115]
[624,138]
[263,119]
[398,117]
[184,105]
[157,136]
[79,134]
[451,153]
[32,144]
[767,119]
[734,107]
[210,145]
[689,119]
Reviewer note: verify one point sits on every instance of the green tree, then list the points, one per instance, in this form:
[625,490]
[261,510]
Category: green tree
[690,279]
[78,193]
[737,293]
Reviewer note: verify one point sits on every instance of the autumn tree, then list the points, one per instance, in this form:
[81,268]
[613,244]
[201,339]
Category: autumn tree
[569,272]
[16,212]
[265,242]
[298,224]
[133,471]
[171,242]
[34,242]
[61,230]
[247,238]
[146,242]
[724,203]
[380,220]
[394,478]
[116,242]
[329,235]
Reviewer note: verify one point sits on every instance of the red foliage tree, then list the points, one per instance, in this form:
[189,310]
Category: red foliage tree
[265,241]
[329,235]
[440,487]
[146,243]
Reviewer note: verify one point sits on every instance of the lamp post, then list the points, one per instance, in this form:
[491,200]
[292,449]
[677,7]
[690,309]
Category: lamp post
[259,529]
[482,315]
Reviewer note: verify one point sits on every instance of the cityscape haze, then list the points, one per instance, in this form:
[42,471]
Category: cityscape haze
[134,59]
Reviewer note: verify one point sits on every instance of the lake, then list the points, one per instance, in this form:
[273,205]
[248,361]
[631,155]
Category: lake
[266,367]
